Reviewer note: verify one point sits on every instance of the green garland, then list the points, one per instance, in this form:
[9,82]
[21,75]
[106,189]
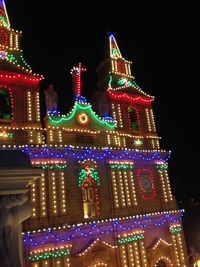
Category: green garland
[130,239]
[175,230]
[47,255]
[83,175]
[121,166]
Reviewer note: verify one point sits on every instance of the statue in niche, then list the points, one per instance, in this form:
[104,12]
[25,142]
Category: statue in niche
[51,99]
[14,209]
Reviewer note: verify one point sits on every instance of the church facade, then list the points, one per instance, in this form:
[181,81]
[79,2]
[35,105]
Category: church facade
[104,198]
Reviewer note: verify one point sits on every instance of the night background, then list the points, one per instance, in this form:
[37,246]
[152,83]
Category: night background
[163,49]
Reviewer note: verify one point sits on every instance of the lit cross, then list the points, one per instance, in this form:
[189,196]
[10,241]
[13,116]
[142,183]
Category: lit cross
[76,75]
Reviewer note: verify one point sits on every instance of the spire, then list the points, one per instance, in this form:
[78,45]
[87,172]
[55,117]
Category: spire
[114,71]
[4,20]
[119,65]
[113,47]
[11,55]
[113,67]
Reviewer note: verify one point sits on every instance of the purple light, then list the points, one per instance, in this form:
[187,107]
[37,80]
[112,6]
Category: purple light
[95,154]
[100,229]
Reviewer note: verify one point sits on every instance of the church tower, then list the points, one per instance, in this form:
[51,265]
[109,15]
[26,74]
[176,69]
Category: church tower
[125,101]
[19,90]
[104,198]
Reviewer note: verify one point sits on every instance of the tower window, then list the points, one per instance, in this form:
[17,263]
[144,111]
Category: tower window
[3,39]
[133,119]
[5,105]
[120,67]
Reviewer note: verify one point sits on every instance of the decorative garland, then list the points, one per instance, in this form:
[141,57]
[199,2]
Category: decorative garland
[130,239]
[93,154]
[90,173]
[108,227]
[47,255]
[121,166]
[175,230]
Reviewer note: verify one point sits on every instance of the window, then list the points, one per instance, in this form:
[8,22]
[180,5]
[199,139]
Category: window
[88,199]
[5,105]
[133,119]
[3,38]
[80,138]
[120,66]
[88,181]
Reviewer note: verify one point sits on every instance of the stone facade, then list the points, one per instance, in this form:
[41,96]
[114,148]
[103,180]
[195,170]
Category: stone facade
[104,198]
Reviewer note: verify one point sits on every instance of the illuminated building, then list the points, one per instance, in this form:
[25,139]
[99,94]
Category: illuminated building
[105,198]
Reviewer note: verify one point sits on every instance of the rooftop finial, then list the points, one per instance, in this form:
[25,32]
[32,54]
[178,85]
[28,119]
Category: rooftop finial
[76,75]
[109,33]
[51,100]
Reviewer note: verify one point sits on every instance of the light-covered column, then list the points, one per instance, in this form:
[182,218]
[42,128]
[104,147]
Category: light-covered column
[178,244]
[131,249]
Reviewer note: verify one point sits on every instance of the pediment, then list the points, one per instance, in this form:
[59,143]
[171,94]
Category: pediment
[83,118]
[95,246]
[160,244]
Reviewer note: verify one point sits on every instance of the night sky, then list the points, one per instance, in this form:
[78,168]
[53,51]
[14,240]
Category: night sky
[162,47]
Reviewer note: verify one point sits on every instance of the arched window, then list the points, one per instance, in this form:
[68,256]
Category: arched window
[5,105]
[88,194]
[161,263]
[89,180]
[133,119]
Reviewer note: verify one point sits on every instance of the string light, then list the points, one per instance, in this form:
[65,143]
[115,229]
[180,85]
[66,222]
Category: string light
[100,227]
[6,135]
[128,231]
[82,109]
[165,259]
[160,242]
[130,238]
[150,192]
[50,164]
[94,244]
[53,252]
[88,172]
[82,153]
[126,97]
[76,74]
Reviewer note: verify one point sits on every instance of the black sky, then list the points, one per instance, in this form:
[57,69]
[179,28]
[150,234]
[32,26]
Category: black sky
[161,45]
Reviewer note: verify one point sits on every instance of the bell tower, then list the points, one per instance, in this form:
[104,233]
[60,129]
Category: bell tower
[129,105]
[19,90]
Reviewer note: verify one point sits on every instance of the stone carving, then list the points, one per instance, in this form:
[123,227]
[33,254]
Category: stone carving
[51,99]
[14,209]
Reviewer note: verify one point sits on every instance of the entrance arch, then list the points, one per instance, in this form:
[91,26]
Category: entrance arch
[161,263]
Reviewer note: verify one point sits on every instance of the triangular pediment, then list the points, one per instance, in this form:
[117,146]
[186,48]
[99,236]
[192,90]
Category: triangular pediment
[94,246]
[160,243]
